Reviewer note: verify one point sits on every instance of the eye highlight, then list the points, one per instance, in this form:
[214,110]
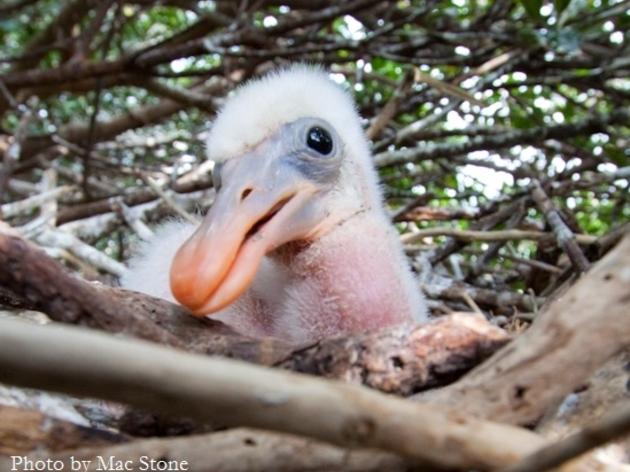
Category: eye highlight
[318,139]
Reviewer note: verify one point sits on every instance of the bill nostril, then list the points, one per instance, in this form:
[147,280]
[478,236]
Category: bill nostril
[245,193]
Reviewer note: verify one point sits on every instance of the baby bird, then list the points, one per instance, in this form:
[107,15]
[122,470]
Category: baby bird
[297,244]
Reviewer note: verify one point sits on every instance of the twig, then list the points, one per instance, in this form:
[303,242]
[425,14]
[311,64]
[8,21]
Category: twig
[495,246]
[183,96]
[401,213]
[81,250]
[499,235]
[532,262]
[487,222]
[78,133]
[494,299]
[157,188]
[389,111]
[26,205]
[134,221]
[7,95]
[48,210]
[470,302]
[422,213]
[447,88]
[564,236]
[139,196]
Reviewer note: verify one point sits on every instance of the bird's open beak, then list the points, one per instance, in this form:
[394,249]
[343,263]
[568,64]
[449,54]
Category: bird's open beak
[264,202]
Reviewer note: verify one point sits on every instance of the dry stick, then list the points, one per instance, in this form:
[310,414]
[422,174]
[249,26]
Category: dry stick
[532,262]
[389,111]
[563,347]
[25,206]
[614,425]
[564,236]
[502,301]
[78,133]
[499,235]
[91,255]
[163,194]
[488,222]
[84,363]
[496,246]
[401,213]
[134,221]
[425,213]
[131,198]
[447,88]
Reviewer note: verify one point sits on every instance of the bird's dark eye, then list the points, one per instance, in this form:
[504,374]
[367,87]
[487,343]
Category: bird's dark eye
[319,140]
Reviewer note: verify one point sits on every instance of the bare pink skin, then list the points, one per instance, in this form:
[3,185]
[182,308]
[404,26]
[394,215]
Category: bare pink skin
[348,281]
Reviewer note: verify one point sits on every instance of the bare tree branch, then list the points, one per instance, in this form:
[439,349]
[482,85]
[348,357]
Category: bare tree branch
[238,394]
[549,360]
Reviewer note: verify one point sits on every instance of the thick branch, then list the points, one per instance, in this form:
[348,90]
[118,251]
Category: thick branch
[238,394]
[563,347]
[45,284]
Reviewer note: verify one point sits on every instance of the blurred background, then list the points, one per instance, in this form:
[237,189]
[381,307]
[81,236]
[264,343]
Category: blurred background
[500,129]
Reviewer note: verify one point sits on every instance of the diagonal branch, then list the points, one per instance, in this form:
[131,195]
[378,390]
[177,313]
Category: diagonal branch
[562,348]
[238,394]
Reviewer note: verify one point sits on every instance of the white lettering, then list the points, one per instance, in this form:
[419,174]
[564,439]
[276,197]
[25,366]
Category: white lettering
[162,465]
[79,465]
[16,460]
[23,463]
[112,464]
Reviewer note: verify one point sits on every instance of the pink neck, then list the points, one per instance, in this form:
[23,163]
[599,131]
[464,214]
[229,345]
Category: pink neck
[352,280]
